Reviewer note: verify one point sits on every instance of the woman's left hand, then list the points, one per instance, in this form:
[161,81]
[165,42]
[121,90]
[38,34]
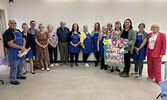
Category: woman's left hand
[160,56]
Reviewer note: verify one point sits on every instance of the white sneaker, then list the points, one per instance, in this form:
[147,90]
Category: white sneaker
[56,64]
[51,65]
[47,69]
[22,54]
[138,76]
[42,69]
[135,73]
[87,65]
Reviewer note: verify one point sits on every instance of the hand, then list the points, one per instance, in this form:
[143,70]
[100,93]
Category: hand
[83,47]
[124,43]
[54,46]
[160,56]
[22,49]
[45,46]
[137,50]
[97,49]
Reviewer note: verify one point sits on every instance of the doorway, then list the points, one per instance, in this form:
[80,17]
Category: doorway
[2,30]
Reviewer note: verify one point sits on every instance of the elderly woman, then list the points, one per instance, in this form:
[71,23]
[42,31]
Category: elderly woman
[86,43]
[128,33]
[139,52]
[103,35]
[42,55]
[156,48]
[95,34]
[52,47]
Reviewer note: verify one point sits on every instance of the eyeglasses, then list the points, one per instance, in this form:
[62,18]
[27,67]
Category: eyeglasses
[12,23]
[154,27]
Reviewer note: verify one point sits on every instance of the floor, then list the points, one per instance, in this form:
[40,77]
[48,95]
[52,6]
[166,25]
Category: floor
[78,83]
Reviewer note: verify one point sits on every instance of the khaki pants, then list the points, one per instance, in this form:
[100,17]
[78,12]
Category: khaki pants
[63,48]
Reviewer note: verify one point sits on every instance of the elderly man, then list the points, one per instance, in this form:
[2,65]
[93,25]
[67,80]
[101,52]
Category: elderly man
[14,42]
[62,33]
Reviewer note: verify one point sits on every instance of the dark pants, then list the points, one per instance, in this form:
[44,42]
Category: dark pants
[85,57]
[103,63]
[52,51]
[138,66]
[72,57]
[63,48]
[127,62]
[97,57]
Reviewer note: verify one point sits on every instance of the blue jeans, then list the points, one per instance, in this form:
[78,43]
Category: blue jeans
[16,67]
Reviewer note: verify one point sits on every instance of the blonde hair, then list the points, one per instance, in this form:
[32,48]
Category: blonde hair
[24,24]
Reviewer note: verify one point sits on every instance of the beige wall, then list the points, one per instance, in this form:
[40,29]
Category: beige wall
[89,11]
[4,5]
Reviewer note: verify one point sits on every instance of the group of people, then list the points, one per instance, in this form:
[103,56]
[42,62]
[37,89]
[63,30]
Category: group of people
[41,47]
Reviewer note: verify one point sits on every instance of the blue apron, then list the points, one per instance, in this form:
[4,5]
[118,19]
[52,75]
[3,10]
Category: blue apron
[19,41]
[142,51]
[30,54]
[74,40]
[101,46]
[34,44]
[88,44]
[95,38]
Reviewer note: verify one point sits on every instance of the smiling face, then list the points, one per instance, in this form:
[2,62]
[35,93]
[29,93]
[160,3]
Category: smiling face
[127,24]
[85,28]
[12,24]
[155,28]
[75,27]
[50,28]
[141,28]
[41,28]
[104,29]
[32,24]
[109,26]
[25,28]
[117,26]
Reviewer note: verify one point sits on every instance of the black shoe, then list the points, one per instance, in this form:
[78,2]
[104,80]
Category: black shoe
[15,82]
[101,68]
[124,75]
[25,72]
[71,64]
[96,64]
[33,72]
[76,64]
[117,69]
[112,70]
[105,68]
[22,77]
[121,72]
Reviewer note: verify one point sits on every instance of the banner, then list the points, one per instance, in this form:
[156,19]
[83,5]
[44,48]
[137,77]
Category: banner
[114,51]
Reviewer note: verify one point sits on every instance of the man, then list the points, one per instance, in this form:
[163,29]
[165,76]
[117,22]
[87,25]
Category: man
[33,31]
[14,42]
[62,33]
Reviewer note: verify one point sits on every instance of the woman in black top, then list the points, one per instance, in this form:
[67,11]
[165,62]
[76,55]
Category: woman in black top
[74,44]
[29,45]
[128,33]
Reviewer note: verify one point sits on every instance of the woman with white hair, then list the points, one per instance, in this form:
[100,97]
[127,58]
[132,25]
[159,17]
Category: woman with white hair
[52,47]
[156,48]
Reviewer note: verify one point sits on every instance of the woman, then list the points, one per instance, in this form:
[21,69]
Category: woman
[74,44]
[52,47]
[86,43]
[109,28]
[42,55]
[139,51]
[95,34]
[156,48]
[100,44]
[115,34]
[29,45]
[128,33]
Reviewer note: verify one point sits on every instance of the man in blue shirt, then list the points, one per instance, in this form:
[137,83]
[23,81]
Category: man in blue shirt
[62,33]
